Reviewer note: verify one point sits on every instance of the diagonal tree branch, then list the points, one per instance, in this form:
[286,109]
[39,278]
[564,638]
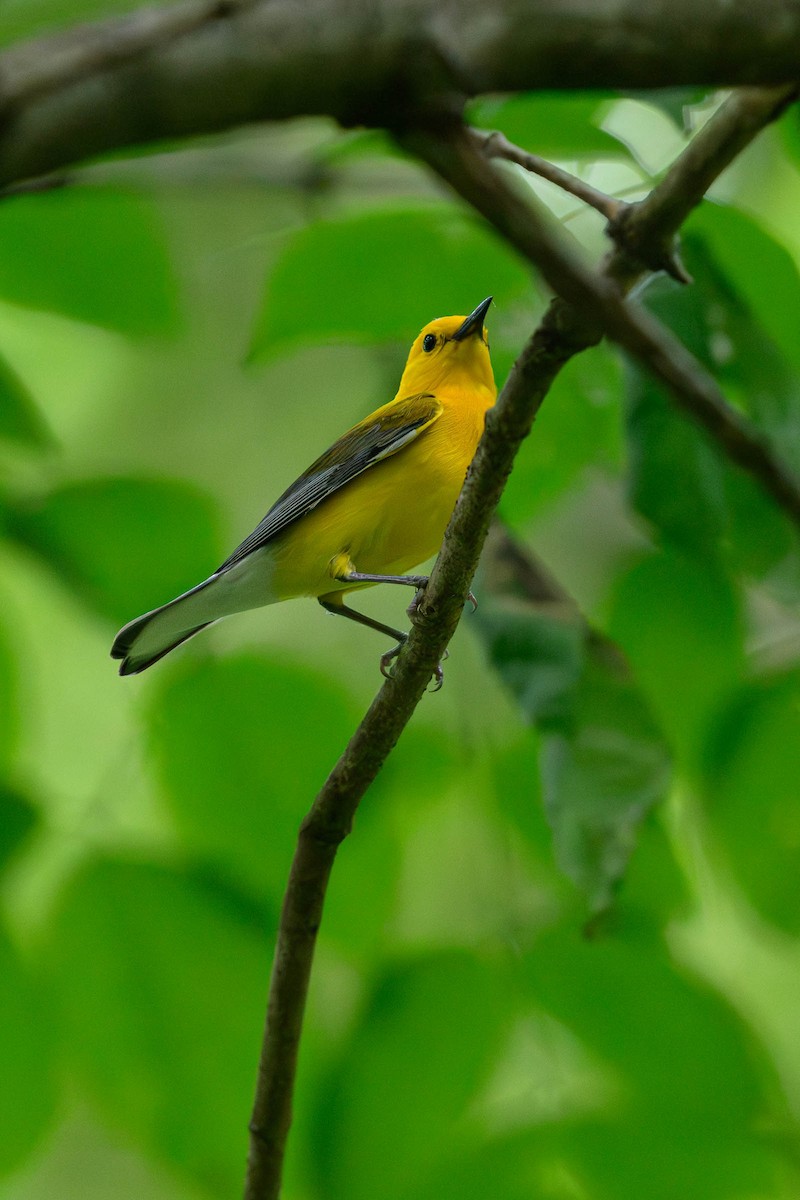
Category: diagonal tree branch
[200,66]
[562,334]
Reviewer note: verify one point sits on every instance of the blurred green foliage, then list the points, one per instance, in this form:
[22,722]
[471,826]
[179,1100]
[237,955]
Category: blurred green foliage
[559,957]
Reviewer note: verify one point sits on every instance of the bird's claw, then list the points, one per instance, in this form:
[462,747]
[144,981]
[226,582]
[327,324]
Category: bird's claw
[472,601]
[438,675]
[418,594]
[387,669]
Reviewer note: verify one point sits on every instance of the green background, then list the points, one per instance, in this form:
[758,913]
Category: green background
[560,954]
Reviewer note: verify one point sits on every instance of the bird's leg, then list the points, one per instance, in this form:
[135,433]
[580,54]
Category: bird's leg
[420,582]
[343,611]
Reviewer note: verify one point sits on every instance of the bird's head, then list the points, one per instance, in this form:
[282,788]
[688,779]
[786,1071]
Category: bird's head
[450,350]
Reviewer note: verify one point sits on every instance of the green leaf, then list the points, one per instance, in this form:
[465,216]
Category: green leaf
[577,429]
[680,624]
[751,767]
[18,818]
[677,474]
[94,255]
[676,478]
[756,266]
[27,1044]
[9,702]
[680,480]
[563,126]
[743,282]
[364,286]
[689,1098]
[604,763]
[235,752]
[124,545]
[673,101]
[602,774]
[407,1076]
[26,18]
[163,987]
[20,419]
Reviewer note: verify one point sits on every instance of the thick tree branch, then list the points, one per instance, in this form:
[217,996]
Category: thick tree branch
[200,66]
[594,303]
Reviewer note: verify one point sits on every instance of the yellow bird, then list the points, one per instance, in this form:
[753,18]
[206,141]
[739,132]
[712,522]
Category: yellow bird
[368,510]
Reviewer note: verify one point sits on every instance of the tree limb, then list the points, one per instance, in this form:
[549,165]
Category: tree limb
[200,66]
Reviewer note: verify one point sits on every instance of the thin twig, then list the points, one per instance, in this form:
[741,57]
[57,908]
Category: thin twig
[497,145]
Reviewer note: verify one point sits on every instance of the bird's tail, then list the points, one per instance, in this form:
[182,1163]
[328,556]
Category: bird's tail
[246,584]
[147,639]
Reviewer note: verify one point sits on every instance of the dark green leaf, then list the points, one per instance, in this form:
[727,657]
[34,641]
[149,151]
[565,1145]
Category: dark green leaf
[9,702]
[164,990]
[26,18]
[18,818]
[352,278]
[676,472]
[563,126]
[752,768]
[680,624]
[20,419]
[407,1075]
[688,1102]
[674,102]
[577,429]
[680,480]
[602,774]
[242,747]
[92,255]
[27,1045]
[125,545]
[756,266]
[603,760]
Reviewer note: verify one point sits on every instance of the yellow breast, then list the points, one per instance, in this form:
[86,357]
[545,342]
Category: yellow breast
[393,516]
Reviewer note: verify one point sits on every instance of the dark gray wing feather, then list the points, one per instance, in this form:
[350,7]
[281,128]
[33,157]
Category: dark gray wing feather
[370,442]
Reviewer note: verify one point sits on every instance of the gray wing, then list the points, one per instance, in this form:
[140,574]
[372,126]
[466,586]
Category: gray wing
[366,444]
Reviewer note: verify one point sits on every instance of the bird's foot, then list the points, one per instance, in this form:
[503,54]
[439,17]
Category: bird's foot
[387,664]
[420,592]
[422,583]
[438,674]
[387,670]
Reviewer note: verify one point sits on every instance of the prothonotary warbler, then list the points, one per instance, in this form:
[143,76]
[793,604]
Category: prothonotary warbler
[368,510]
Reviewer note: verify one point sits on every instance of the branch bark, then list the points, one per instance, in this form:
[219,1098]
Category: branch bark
[200,66]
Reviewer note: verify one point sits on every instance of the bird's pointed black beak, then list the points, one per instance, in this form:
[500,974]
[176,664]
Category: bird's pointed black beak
[473,324]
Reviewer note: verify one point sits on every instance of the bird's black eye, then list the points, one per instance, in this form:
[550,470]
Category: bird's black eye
[428,342]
